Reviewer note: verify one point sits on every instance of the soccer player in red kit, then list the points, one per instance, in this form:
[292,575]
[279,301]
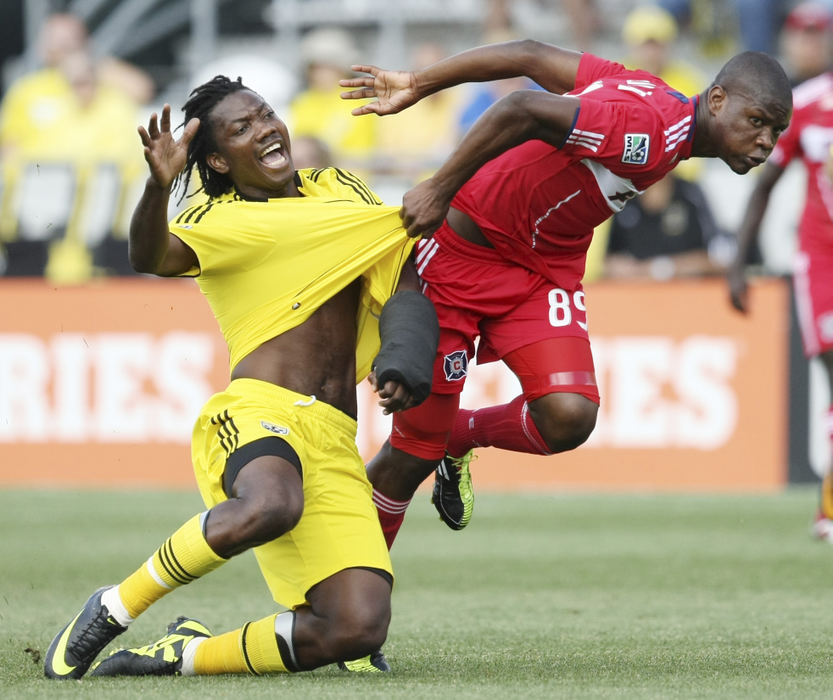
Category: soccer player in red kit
[514,208]
[809,138]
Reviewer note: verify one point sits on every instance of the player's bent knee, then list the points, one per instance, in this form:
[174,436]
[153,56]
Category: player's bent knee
[258,522]
[351,611]
[356,627]
[360,633]
[564,420]
[278,520]
[267,500]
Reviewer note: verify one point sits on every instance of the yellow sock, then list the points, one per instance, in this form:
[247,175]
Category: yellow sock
[220,654]
[253,648]
[184,557]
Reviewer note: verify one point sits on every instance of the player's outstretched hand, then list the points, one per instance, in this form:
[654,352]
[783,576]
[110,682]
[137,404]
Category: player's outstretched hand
[738,288]
[424,208]
[393,90]
[393,396]
[166,156]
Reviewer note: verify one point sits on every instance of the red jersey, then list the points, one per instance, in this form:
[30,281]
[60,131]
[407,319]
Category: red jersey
[538,204]
[809,137]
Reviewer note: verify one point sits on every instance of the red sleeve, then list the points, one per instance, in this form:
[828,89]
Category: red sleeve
[625,137]
[592,68]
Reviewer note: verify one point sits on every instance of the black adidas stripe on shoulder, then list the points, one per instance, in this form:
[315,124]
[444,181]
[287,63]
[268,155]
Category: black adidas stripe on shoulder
[186,216]
[193,215]
[203,212]
[356,185]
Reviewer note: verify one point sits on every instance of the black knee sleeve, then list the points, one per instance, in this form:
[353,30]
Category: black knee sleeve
[409,333]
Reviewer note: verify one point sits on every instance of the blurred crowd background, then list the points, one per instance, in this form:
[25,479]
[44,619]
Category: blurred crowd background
[78,76]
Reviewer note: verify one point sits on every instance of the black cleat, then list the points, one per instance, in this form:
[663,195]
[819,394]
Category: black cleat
[161,658]
[453,496]
[76,645]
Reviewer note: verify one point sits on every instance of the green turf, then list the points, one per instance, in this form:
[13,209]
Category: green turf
[565,596]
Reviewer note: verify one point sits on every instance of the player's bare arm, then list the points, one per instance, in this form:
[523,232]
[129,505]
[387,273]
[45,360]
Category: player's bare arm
[553,68]
[152,248]
[522,116]
[748,234]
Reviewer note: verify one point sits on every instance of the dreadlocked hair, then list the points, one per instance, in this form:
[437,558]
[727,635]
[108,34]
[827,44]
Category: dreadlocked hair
[200,103]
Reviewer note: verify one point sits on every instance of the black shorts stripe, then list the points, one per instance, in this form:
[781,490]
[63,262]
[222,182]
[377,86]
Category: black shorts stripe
[234,432]
[272,446]
[228,433]
[214,421]
[381,572]
[223,436]
[243,645]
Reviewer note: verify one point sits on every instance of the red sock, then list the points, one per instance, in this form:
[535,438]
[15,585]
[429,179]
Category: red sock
[391,515]
[508,427]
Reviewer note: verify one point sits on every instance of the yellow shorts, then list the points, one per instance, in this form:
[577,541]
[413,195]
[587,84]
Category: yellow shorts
[339,528]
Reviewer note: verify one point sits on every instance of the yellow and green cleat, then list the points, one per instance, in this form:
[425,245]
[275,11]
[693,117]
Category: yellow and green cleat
[161,658]
[372,663]
[453,496]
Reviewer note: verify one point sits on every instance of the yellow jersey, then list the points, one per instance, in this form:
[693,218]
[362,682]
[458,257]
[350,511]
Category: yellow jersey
[266,266]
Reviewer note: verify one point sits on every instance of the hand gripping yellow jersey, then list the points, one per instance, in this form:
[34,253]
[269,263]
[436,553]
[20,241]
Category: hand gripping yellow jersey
[266,266]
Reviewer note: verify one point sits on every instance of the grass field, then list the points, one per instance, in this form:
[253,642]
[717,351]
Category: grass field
[543,596]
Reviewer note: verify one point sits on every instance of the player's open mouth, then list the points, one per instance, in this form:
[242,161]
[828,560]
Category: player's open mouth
[273,155]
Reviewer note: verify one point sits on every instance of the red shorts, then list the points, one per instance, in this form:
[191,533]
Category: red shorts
[537,329]
[813,286]
[477,293]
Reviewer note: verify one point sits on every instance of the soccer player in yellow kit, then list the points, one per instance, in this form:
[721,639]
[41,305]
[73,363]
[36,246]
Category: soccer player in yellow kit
[301,270]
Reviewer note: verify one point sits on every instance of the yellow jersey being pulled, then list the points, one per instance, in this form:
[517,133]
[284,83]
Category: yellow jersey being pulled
[266,266]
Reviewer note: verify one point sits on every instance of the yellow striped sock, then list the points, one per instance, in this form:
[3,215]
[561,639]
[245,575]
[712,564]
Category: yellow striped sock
[184,557]
[260,647]
[253,648]
[220,654]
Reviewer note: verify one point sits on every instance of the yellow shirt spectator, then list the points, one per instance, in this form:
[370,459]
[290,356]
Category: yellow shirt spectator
[322,113]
